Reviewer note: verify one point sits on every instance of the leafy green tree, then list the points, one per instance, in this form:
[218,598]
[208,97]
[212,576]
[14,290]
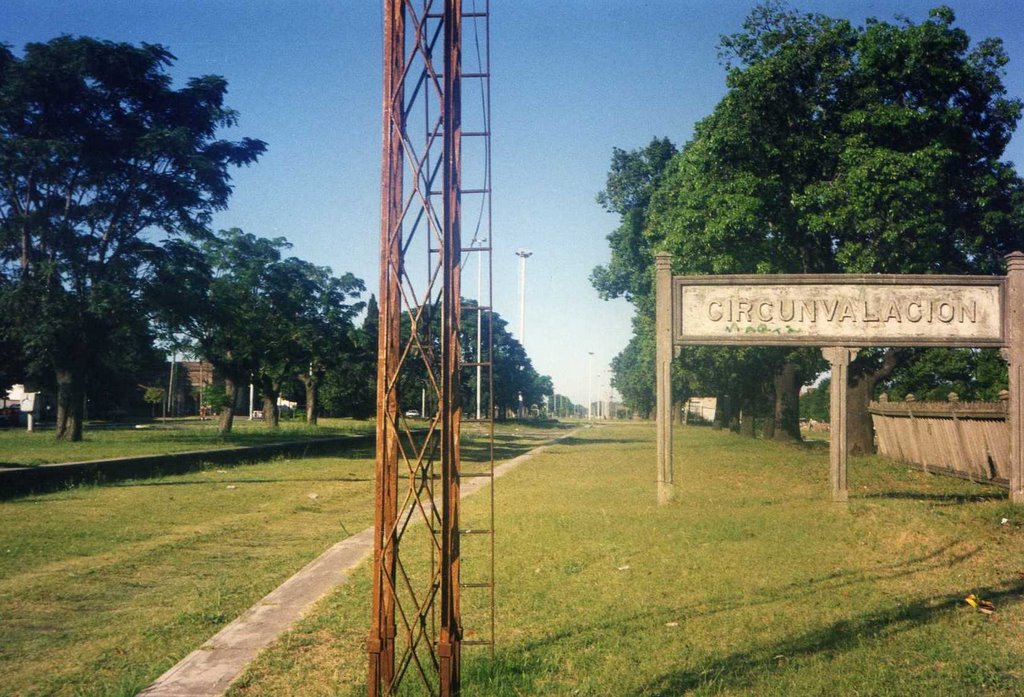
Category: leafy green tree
[213,294]
[633,371]
[259,317]
[973,374]
[350,385]
[845,149]
[316,312]
[633,177]
[96,149]
[814,403]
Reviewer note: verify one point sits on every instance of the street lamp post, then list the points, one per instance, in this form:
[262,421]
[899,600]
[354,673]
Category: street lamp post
[479,327]
[590,385]
[523,255]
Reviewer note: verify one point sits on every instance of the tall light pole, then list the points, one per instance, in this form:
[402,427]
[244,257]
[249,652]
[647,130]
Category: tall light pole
[479,327]
[523,255]
[590,385]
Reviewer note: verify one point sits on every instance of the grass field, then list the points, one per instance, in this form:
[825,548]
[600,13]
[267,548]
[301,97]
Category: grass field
[19,448]
[752,583]
[102,588]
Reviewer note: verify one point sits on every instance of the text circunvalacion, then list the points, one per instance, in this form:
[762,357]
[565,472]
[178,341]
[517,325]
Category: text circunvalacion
[857,312]
[801,311]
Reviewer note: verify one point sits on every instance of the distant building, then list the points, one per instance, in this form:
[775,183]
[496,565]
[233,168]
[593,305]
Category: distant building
[198,373]
[702,408]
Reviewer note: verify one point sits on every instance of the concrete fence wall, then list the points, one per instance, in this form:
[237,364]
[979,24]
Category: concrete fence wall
[965,439]
[19,481]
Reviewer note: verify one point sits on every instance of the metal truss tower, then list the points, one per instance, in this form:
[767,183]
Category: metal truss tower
[432,148]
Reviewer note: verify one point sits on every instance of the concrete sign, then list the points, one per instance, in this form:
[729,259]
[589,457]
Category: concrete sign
[843,310]
[839,313]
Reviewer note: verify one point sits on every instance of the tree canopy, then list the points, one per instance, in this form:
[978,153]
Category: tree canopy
[840,149]
[97,151]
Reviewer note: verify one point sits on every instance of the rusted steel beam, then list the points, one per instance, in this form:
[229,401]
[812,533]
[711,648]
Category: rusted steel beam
[381,644]
[450,630]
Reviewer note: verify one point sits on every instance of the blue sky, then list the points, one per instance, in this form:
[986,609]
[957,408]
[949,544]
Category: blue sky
[571,80]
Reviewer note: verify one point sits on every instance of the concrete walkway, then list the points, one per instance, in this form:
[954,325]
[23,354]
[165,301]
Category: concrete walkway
[209,670]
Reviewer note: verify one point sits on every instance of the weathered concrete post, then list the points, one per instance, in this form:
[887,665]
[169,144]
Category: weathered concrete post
[839,358]
[1015,359]
[663,372]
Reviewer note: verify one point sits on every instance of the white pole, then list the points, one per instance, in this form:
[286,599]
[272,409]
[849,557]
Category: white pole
[590,385]
[523,254]
[479,327]
[251,395]
[522,300]
[170,385]
[423,402]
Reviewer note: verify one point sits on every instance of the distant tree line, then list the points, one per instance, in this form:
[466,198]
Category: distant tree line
[836,149]
[109,178]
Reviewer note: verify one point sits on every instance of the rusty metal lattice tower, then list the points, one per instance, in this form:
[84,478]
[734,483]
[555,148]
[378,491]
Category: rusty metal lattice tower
[416,622]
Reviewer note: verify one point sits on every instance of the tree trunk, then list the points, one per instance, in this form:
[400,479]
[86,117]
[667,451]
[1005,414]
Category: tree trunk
[747,420]
[769,427]
[733,413]
[227,414]
[721,415]
[677,412]
[312,390]
[860,431]
[70,403]
[271,416]
[787,403]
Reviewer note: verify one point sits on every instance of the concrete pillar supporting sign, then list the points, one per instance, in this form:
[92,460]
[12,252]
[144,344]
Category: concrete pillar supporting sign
[839,358]
[663,374]
[1015,358]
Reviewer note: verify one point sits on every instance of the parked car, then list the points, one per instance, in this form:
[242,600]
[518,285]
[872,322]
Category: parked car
[10,417]
[412,414]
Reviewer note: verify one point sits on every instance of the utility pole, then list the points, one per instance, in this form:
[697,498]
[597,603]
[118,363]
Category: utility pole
[479,325]
[523,255]
[590,387]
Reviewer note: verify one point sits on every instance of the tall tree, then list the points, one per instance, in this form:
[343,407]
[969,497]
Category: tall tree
[96,149]
[318,309]
[846,149]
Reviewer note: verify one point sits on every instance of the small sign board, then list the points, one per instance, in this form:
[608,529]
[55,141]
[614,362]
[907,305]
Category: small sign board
[839,310]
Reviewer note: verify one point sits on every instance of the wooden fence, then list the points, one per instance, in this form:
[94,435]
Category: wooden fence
[965,439]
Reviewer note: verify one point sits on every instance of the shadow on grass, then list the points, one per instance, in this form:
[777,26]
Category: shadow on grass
[805,588]
[742,669]
[516,671]
[506,447]
[949,499]
[217,482]
[573,440]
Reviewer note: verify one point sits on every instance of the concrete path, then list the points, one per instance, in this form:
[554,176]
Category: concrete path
[210,669]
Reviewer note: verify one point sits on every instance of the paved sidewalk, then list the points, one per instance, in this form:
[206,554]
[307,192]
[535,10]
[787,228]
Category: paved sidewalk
[209,670]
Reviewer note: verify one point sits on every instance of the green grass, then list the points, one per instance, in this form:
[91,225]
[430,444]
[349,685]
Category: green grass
[102,588]
[752,583]
[19,448]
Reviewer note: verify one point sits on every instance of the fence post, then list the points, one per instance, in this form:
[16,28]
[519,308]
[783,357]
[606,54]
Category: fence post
[839,358]
[1015,358]
[663,373]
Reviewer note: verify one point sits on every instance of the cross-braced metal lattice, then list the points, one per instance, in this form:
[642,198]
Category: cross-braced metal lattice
[416,624]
